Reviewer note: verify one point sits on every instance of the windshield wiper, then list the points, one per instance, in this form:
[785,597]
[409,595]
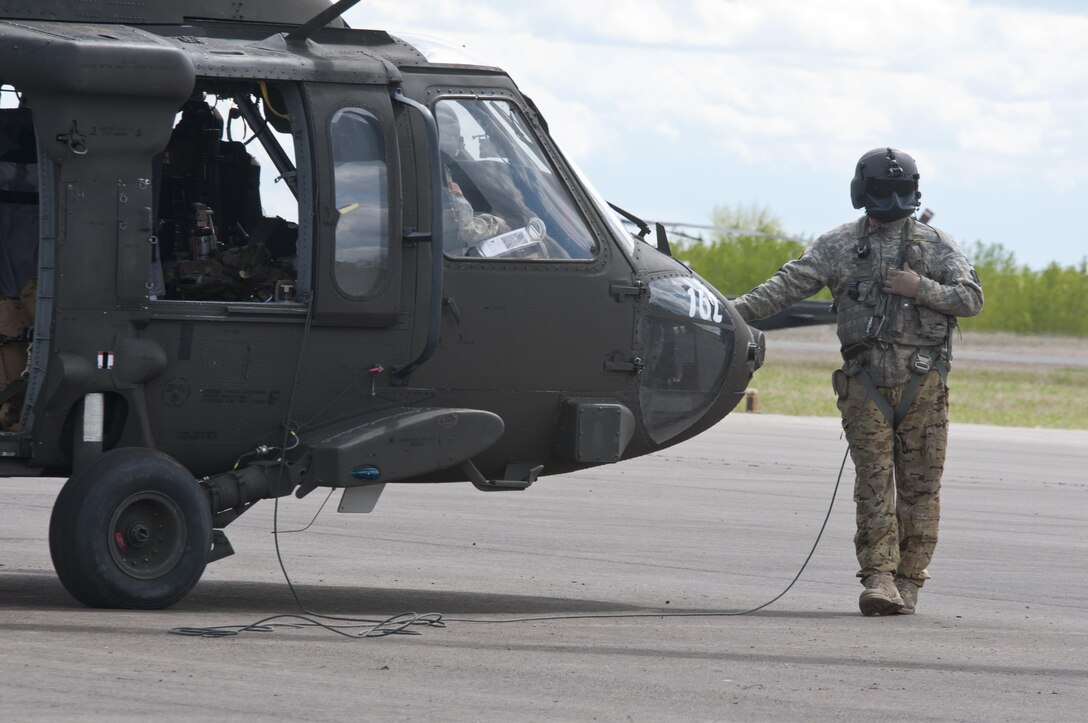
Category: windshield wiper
[644,229]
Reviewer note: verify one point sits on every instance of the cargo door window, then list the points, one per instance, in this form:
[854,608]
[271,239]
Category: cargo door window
[359,262]
[361,256]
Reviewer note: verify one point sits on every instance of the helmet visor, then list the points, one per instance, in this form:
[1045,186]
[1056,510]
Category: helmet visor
[887,187]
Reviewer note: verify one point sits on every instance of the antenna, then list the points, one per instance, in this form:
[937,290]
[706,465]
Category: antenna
[303,32]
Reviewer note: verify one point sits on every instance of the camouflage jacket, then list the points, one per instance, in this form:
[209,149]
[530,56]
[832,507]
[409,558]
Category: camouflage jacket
[879,332]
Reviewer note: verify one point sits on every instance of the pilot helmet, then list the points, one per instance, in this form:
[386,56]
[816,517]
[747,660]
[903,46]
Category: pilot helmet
[450,140]
[886,184]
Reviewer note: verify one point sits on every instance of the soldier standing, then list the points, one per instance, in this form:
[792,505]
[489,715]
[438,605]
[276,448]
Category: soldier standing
[898,286]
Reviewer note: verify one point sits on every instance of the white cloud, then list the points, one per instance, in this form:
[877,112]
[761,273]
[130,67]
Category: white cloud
[577,127]
[667,128]
[625,20]
[983,78]
[973,89]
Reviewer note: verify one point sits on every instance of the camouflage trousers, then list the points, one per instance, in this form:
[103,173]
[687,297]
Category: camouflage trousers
[898,483]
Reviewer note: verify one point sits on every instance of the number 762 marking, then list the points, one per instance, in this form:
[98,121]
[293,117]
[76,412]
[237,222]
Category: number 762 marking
[704,304]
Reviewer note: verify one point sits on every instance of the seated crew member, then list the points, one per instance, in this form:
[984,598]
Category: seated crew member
[469,227]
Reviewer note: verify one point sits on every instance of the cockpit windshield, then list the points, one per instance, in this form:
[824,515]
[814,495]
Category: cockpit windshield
[501,195]
[615,225]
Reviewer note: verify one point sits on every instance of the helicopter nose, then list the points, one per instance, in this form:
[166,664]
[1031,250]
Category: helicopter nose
[699,358]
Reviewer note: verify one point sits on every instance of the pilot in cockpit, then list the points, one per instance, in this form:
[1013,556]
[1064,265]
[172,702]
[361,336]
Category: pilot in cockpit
[469,226]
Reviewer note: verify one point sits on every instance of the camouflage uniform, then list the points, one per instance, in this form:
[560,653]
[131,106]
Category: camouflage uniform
[472,227]
[894,348]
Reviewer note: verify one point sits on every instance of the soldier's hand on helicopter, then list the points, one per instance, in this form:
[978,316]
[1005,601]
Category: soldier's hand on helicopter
[903,283]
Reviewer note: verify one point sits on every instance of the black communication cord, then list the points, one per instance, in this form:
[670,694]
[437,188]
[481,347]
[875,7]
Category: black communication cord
[404,623]
[346,626]
[706,614]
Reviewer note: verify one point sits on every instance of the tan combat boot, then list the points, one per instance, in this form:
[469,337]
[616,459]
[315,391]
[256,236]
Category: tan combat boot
[908,590]
[880,596]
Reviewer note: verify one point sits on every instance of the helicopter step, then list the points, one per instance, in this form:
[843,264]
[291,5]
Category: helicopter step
[13,458]
[516,477]
[9,444]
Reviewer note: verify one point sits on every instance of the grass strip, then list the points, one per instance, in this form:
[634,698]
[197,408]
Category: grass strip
[1013,395]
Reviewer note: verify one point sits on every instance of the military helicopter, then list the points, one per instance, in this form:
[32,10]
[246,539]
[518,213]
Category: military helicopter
[251,252]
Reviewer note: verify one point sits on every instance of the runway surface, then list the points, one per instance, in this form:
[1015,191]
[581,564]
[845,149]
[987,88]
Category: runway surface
[719,524]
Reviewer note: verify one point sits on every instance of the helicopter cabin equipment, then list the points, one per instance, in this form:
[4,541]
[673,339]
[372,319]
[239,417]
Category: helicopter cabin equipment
[250,252]
[19,257]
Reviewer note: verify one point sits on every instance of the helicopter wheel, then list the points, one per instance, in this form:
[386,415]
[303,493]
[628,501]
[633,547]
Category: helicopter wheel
[132,530]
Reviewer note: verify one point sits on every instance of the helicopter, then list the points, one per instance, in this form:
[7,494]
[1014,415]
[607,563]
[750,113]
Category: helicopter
[251,252]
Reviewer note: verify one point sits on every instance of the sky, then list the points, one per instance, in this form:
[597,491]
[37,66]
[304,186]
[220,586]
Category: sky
[675,107]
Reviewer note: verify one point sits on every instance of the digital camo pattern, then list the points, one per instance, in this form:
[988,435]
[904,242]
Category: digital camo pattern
[949,289]
[898,481]
[474,227]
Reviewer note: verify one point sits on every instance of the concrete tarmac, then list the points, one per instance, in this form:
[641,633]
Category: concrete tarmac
[690,536]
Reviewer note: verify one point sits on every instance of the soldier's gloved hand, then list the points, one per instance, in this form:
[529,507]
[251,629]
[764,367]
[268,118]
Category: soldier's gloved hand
[903,283]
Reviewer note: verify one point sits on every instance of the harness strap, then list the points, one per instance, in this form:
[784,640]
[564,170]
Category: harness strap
[926,359]
[896,416]
[881,403]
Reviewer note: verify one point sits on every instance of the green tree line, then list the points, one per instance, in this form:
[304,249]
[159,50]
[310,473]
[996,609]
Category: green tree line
[753,245]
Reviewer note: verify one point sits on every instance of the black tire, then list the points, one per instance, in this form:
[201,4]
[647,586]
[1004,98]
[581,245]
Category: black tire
[132,530]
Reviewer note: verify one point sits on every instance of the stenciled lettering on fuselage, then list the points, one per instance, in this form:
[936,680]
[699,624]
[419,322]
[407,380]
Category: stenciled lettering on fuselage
[240,396]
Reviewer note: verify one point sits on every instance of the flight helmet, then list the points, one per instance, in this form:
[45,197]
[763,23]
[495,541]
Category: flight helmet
[450,140]
[886,184]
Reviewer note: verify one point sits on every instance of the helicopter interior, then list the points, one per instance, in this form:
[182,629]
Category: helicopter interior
[18,256]
[226,221]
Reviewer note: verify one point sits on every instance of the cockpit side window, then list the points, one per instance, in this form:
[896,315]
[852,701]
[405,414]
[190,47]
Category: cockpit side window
[502,197]
[362,201]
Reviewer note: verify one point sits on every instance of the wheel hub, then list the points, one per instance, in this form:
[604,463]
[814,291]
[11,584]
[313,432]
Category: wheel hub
[148,535]
[138,534]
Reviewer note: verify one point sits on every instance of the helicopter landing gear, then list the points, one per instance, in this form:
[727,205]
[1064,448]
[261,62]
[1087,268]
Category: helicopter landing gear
[131,530]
